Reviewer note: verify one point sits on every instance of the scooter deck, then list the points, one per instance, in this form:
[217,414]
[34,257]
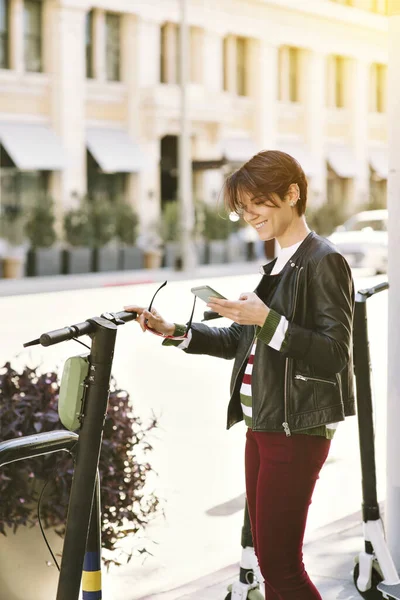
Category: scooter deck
[393,591]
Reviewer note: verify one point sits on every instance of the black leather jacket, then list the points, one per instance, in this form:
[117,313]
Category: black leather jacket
[310,381]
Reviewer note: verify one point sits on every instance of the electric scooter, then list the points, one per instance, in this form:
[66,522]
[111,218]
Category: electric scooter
[375,575]
[82,406]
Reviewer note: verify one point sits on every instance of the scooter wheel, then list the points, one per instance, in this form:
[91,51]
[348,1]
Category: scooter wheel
[372,593]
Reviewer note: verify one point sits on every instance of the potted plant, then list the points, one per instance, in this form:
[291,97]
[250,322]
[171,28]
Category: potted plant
[44,257]
[11,230]
[28,405]
[131,256]
[77,256]
[200,241]
[150,241]
[170,234]
[102,216]
[216,230]
[235,245]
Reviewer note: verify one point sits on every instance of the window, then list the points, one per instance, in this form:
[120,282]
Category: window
[196,54]
[380,6]
[170,54]
[4,34]
[339,82]
[381,88]
[113,47]
[376,6]
[225,63]
[378,75]
[241,61]
[89,45]
[234,63]
[336,82]
[33,35]
[18,193]
[289,74]
[169,57]
[163,54]
[293,74]
[107,186]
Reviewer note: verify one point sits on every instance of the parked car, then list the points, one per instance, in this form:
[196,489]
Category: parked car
[363,240]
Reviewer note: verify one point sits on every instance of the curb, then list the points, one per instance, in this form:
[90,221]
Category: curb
[38,285]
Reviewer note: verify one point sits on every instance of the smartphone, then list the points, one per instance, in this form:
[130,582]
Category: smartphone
[205,292]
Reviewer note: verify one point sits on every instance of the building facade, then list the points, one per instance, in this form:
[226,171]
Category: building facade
[90,101]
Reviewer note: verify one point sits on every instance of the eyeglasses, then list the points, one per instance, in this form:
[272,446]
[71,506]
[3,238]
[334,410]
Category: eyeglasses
[170,337]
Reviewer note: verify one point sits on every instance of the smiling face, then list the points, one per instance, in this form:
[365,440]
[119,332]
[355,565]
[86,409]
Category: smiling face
[270,192]
[278,220]
[269,220]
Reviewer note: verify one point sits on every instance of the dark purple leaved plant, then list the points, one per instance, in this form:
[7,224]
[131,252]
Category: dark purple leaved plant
[28,405]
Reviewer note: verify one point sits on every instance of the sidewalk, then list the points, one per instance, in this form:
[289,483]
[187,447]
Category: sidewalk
[57,283]
[328,555]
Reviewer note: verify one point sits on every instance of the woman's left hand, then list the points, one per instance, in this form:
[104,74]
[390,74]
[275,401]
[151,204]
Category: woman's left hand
[248,310]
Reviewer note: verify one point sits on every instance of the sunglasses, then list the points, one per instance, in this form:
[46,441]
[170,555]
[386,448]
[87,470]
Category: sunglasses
[170,337]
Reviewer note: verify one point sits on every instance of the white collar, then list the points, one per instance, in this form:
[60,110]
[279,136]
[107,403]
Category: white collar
[288,251]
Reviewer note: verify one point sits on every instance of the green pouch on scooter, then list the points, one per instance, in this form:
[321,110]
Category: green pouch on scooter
[72,391]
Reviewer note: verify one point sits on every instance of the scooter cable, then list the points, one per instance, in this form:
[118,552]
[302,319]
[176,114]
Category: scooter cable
[40,521]
[79,342]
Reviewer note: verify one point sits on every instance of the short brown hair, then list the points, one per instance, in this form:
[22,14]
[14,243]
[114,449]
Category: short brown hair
[268,172]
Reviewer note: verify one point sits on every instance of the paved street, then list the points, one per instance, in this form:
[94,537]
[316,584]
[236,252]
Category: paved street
[199,464]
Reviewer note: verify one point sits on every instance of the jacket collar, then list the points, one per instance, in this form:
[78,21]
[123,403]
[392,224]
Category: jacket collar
[266,269]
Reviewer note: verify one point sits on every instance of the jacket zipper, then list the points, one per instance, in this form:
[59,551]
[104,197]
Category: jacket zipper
[304,378]
[296,292]
[245,358]
[285,424]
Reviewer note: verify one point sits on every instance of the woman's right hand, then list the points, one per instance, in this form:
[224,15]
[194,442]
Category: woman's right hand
[153,319]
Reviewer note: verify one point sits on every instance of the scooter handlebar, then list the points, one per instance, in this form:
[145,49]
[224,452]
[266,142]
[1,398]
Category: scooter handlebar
[66,333]
[367,293]
[381,287]
[85,328]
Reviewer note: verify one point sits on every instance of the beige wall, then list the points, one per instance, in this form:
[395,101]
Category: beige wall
[377,128]
[103,111]
[38,105]
[293,124]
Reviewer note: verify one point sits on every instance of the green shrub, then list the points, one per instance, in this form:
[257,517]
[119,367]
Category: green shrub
[11,224]
[102,216]
[326,218]
[77,226]
[216,223]
[93,223]
[127,222]
[170,222]
[40,224]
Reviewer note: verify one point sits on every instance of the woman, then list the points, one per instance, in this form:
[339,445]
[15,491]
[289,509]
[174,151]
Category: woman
[292,378]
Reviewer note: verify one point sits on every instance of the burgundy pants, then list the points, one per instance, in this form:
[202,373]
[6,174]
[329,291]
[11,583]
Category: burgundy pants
[281,473]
